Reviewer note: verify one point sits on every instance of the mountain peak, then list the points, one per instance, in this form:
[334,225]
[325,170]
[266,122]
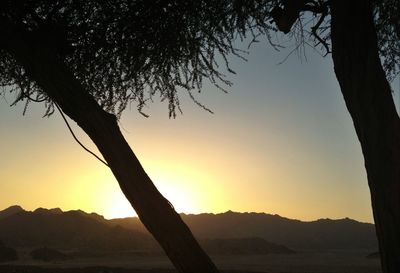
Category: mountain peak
[14,208]
[48,211]
[10,211]
[230,212]
[92,215]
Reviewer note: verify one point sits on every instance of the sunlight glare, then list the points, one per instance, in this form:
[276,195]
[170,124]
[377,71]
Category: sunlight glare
[119,206]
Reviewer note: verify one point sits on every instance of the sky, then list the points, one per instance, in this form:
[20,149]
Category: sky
[280,141]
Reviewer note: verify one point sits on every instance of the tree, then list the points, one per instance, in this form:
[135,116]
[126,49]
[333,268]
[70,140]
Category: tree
[92,58]
[363,33]
[367,94]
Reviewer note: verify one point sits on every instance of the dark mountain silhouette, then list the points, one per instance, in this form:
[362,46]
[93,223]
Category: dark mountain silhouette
[68,230]
[48,211]
[228,232]
[48,254]
[7,253]
[242,246]
[322,234]
[10,211]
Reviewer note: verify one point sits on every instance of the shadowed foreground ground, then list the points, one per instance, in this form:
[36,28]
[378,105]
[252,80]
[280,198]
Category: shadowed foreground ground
[304,262]
[38,269]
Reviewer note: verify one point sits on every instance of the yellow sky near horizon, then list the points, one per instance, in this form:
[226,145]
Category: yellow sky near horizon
[204,177]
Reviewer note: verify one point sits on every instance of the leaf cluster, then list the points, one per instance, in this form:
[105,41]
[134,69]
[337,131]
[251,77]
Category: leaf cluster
[125,51]
[387,23]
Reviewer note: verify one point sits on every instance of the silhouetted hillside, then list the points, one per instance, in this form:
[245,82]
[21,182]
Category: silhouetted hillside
[47,254]
[322,234]
[243,246]
[229,232]
[48,211]
[10,211]
[68,230]
[7,253]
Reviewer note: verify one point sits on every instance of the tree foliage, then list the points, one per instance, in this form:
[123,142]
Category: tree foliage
[126,51]
[130,51]
[387,14]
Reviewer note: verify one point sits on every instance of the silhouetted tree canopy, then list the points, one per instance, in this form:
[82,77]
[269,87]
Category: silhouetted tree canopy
[127,51]
[124,51]
[387,15]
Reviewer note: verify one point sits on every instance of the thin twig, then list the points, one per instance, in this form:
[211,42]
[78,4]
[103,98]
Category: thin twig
[315,28]
[76,139]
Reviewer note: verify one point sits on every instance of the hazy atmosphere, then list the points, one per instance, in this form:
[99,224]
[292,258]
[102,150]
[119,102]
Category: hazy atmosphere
[281,141]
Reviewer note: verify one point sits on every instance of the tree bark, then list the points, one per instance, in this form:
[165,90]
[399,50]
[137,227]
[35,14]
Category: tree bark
[39,59]
[368,98]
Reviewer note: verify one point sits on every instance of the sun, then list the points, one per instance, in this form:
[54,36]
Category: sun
[181,199]
[114,204]
[189,189]
[117,206]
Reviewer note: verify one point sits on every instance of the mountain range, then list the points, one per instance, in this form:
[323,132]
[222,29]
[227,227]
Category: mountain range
[322,234]
[227,233]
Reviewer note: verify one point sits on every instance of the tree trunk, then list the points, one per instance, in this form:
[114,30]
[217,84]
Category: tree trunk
[368,98]
[157,214]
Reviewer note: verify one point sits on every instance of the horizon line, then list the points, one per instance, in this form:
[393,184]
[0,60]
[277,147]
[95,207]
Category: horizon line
[188,214]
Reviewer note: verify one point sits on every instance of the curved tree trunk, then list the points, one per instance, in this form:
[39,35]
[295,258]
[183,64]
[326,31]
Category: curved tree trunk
[39,60]
[368,98]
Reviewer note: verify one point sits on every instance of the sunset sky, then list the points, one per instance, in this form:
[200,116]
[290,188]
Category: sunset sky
[281,142]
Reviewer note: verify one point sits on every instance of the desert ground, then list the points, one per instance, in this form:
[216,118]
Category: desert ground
[302,262]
